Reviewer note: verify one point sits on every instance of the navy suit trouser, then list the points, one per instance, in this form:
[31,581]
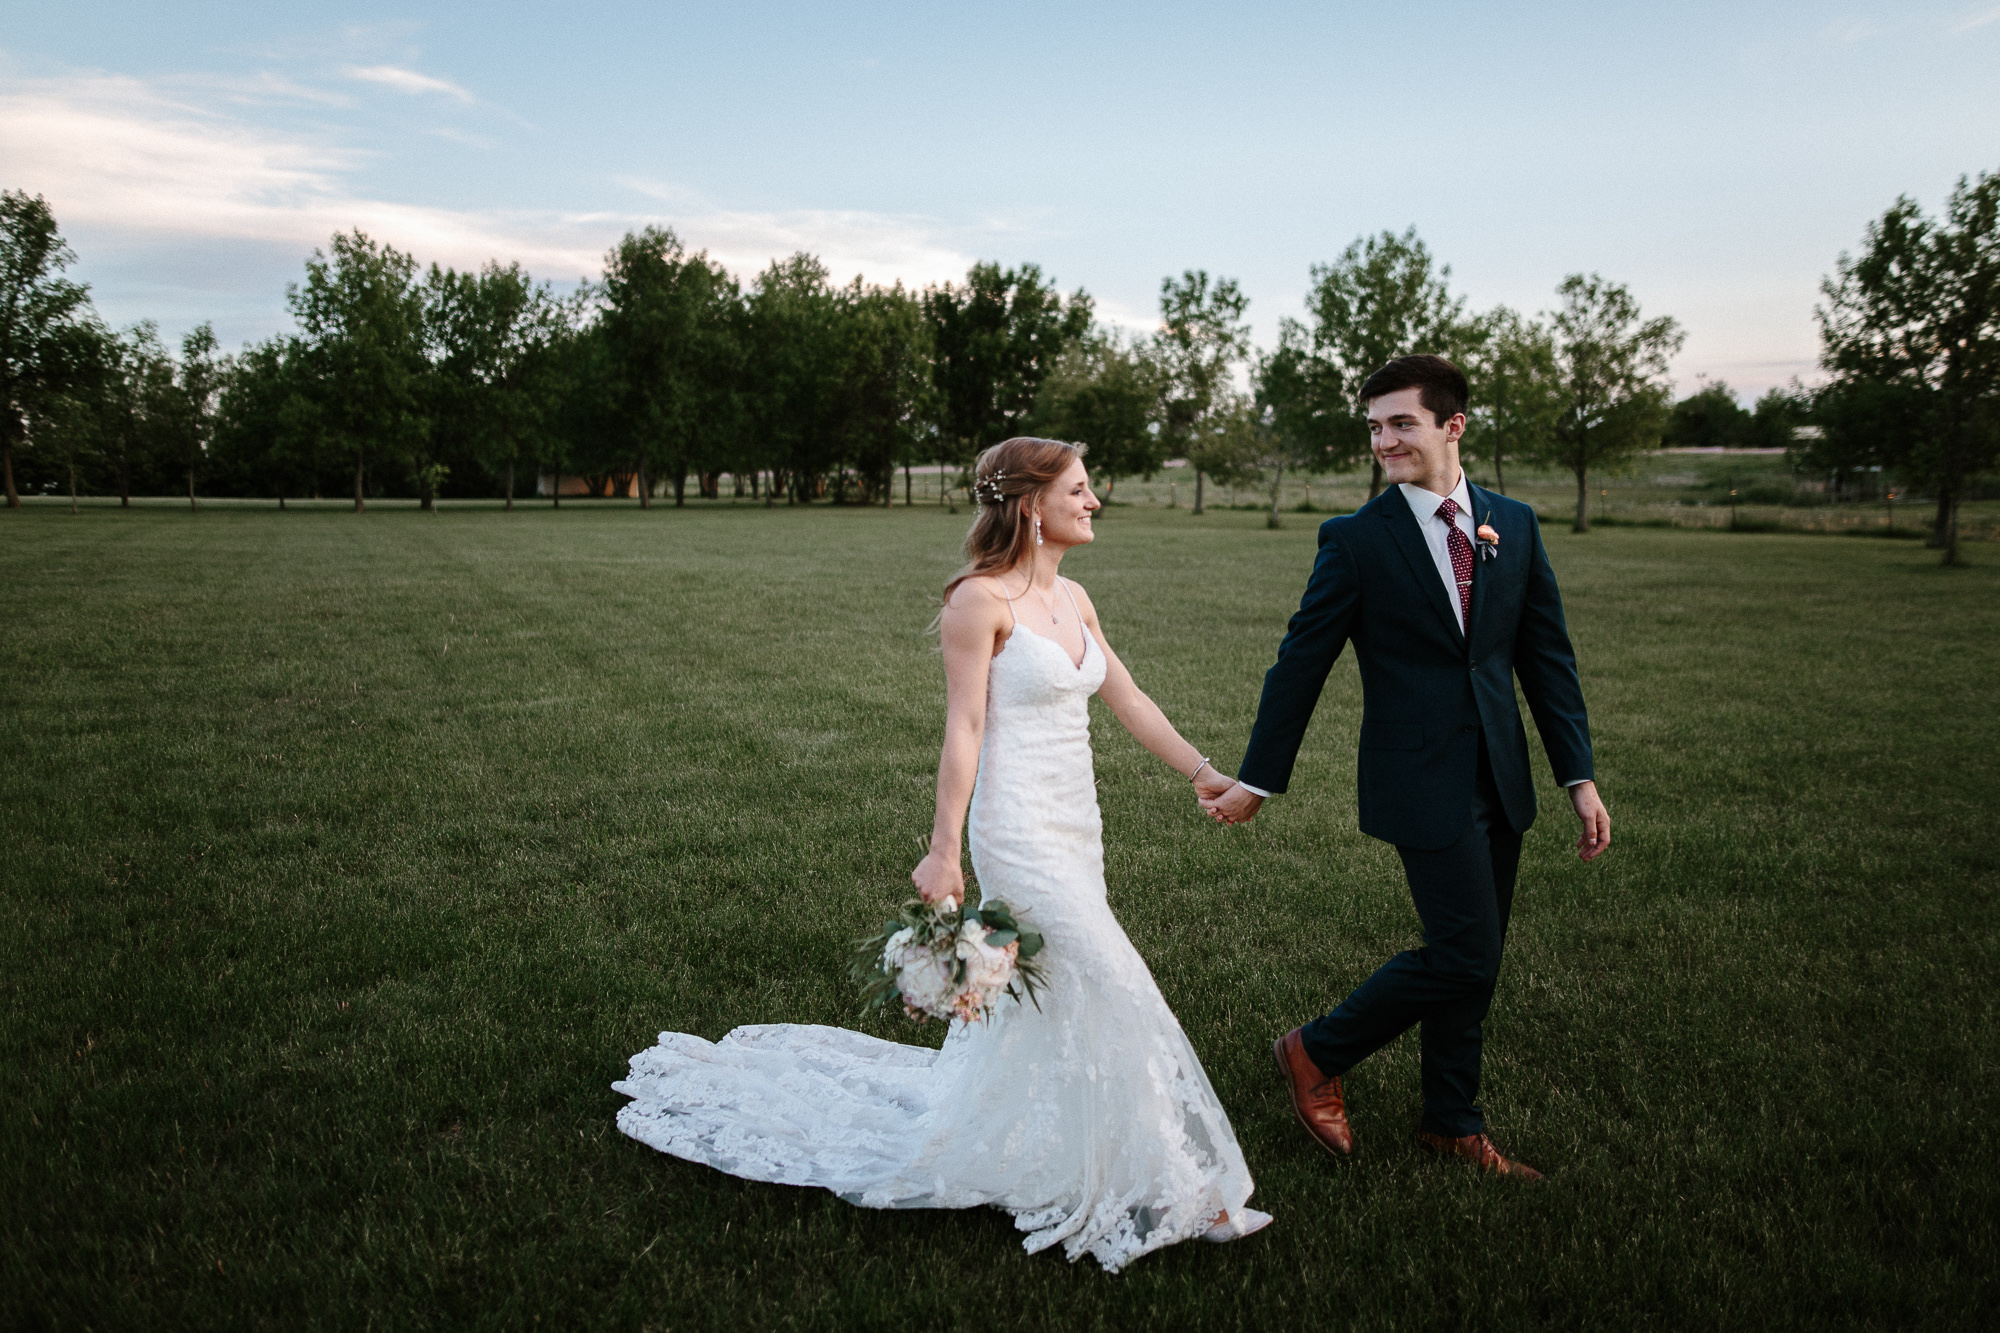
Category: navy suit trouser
[1463,894]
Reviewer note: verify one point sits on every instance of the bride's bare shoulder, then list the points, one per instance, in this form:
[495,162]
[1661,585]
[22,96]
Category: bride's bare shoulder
[976,598]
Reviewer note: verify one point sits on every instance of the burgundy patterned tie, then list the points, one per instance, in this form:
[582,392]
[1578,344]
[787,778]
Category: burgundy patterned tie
[1461,560]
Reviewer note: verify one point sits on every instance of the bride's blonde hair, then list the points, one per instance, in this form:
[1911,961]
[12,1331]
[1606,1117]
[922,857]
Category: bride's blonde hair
[1005,476]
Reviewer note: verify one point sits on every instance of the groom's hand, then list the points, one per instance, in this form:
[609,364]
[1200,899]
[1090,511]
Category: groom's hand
[1237,805]
[1596,836]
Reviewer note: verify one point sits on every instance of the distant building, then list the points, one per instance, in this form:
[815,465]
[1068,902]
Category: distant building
[625,487]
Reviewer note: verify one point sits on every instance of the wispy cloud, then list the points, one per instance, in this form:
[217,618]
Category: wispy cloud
[877,247]
[880,247]
[122,157]
[451,135]
[1851,30]
[117,155]
[1848,31]
[407,81]
[262,89]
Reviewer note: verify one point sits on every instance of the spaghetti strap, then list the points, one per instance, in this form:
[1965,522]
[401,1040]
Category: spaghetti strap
[1074,609]
[1010,600]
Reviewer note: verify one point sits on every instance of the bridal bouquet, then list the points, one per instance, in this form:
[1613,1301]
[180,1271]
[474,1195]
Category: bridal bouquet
[943,965]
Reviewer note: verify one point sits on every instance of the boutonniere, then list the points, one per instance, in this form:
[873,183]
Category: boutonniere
[1489,540]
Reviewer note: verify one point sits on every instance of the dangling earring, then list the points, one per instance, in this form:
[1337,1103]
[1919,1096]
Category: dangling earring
[1038,529]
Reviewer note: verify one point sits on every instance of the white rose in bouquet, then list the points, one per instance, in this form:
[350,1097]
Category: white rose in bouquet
[924,978]
[988,969]
[893,951]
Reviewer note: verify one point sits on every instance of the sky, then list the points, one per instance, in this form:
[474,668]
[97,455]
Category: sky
[1715,158]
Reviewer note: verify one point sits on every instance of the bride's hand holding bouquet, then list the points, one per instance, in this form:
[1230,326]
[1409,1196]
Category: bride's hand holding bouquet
[940,875]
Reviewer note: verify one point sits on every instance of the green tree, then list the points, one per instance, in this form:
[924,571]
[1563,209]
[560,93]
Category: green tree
[40,313]
[1910,332]
[1612,365]
[1311,412]
[885,381]
[1776,419]
[457,343]
[491,336]
[1230,443]
[1106,392]
[1202,339]
[584,385]
[524,375]
[361,318]
[268,431]
[994,339]
[197,384]
[1708,418]
[793,366]
[1517,393]
[713,424]
[1860,430]
[1293,426]
[665,322]
[66,414]
[1384,297]
[729,412]
[136,390]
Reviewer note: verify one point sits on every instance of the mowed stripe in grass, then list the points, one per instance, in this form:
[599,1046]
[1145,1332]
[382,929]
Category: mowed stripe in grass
[346,861]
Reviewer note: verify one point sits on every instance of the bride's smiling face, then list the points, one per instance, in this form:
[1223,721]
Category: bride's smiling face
[1066,506]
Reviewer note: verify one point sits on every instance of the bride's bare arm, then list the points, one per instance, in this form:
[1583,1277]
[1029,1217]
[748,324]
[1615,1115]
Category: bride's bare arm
[969,627]
[1142,717]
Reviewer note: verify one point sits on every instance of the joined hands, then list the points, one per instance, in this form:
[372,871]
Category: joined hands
[1224,799]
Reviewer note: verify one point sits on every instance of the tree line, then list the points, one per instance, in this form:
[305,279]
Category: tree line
[667,372]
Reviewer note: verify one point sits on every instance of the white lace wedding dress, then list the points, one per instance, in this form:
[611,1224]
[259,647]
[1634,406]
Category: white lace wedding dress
[1090,1120]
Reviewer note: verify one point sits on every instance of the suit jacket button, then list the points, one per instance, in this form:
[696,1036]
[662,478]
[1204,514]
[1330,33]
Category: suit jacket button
[1468,730]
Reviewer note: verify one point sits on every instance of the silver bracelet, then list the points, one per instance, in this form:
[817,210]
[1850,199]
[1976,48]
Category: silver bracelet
[1197,768]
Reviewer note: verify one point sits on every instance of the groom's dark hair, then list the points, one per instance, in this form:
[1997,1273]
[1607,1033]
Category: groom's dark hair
[1441,386]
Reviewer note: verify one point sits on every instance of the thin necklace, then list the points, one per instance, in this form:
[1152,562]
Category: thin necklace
[1048,603]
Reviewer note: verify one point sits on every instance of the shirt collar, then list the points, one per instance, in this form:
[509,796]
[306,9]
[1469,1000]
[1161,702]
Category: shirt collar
[1424,504]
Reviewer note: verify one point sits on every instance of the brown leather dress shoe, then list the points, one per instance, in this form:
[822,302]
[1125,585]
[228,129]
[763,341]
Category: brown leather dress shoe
[1316,1099]
[1479,1150]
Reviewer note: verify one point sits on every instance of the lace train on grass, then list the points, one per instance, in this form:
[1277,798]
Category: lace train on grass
[1089,1119]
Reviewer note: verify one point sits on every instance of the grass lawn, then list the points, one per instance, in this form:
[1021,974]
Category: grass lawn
[344,861]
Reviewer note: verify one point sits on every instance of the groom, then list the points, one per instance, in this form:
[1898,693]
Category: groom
[1447,595]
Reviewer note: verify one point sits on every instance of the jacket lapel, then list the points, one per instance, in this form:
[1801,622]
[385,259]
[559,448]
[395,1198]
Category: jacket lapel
[1482,512]
[1409,539]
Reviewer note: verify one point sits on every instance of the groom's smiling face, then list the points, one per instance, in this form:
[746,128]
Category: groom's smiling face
[1410,444]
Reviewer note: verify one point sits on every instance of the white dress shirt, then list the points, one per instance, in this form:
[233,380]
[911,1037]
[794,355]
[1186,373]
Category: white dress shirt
[1424,504]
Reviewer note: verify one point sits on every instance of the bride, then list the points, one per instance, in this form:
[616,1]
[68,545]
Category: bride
[1088,1118]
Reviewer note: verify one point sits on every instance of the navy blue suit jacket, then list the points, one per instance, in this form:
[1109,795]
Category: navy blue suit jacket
[1428,690]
